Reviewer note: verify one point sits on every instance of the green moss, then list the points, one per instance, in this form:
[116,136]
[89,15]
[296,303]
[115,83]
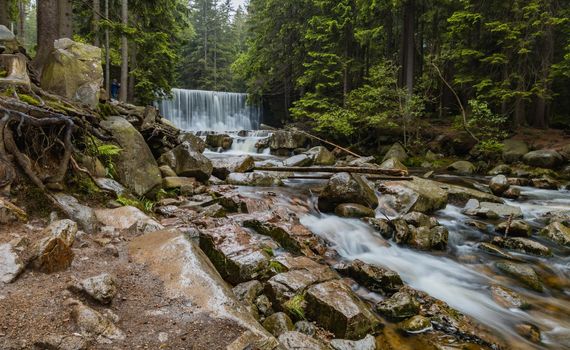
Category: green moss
[142,203]
[3,73]
[29,100]
[276,267]
[296,306]
[56,105]
[106,110]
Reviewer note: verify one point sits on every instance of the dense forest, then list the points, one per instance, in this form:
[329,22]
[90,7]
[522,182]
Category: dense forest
[343,66]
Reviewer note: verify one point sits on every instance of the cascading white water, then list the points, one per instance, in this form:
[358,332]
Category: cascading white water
[197,110]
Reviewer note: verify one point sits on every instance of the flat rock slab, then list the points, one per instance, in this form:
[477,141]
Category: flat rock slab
[187,273]
[10,263]
[124,218]
[334,306]
[237,254]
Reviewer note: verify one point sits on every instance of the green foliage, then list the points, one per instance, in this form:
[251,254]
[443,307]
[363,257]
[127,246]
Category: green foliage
[276,267]
[141,203]
[296,306]
[487,126]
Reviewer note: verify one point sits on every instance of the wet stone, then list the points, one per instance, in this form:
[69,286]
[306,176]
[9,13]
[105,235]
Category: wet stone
[499,184]
[399,306]
[335,307]
[368,343]
[494,250]
[416,324]
[223,167]
[523,245]
[521,272]
[508,298]
[305,327]
[346,188]
[557,232]
[517,228]
[375,278]
[529,331]
[352,210]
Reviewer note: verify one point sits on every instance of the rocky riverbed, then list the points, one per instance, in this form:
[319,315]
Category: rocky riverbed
[233,258]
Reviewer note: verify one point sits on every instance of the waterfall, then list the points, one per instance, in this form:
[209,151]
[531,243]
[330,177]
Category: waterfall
[197,110]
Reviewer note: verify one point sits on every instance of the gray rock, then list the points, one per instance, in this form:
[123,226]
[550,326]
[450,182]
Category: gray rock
[521,272]
[393,163]
[264,305]
[298,160]
[523,245]
[299,341]
[136,167]
[110,185]
[514,150]
[102,288]
[416,324]
[321,156]
[421,195]
[462,167]
[399,306]
[92,324]
[335,307]
[377,279]
[368,343]
[543,159]
[557,232]
[501,169]
[503,210]
[512,193]
[397,151]
[499,185]
[278,323]
[424,238]
[83,215]
[517,228]
[346,188]
[247,292]
[62,342]
[257,178]
[288,140]
[197,143]
[494,250]
[216,141]
[224,166]
[352,210]
[129,219]
[13,259]
[545,182]
[420,220]
[187,162]
[305,327]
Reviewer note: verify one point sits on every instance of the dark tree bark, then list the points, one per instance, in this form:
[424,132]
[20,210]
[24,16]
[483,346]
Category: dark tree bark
[408,56]
[65,23]
[48,30]
[124,53]
[96,19]
[4,13]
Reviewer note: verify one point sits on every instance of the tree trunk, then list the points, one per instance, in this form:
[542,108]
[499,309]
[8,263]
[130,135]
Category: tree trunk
[124,53]
[542,107]
[95,24]
[133,58]
[21,21]
[5,13]
[65,16]
[409,46]
[47,15]
[107,54]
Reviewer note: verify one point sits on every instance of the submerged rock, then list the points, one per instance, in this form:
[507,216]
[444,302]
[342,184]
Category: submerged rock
[335,307]
[508,298]
[530,332]
[377,279]
[346,188]
[557,232]
[543,159]
[188,162]
[399,306]
[416,324]
[368,343]
[351,210]
[299,341]
[521,272]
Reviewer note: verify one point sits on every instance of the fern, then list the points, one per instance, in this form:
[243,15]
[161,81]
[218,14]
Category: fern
[108,150]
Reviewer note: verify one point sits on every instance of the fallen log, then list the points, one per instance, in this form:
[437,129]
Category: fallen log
[369,177]
[328,169]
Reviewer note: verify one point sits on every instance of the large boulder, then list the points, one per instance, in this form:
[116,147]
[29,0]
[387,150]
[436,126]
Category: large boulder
[393,163]
[421,195]
[298,160]
[74,70]
[53,253]
[397,152]
[377,279]
[543,159]
[287,140]
[352,210]
[334,306]
[346,188]
[8,40]
[523,245]
[82,214]
[224,166]
[321,156]
[136,167]
[521,272]
[257,178]
[278,323]
[514,150]
[499,184]
[399,306]
[128,218]
[188,162]
[217,141]
[15,67]
[197,143]
[557,232]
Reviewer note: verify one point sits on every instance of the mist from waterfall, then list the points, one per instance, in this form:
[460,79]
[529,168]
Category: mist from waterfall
[198,110]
